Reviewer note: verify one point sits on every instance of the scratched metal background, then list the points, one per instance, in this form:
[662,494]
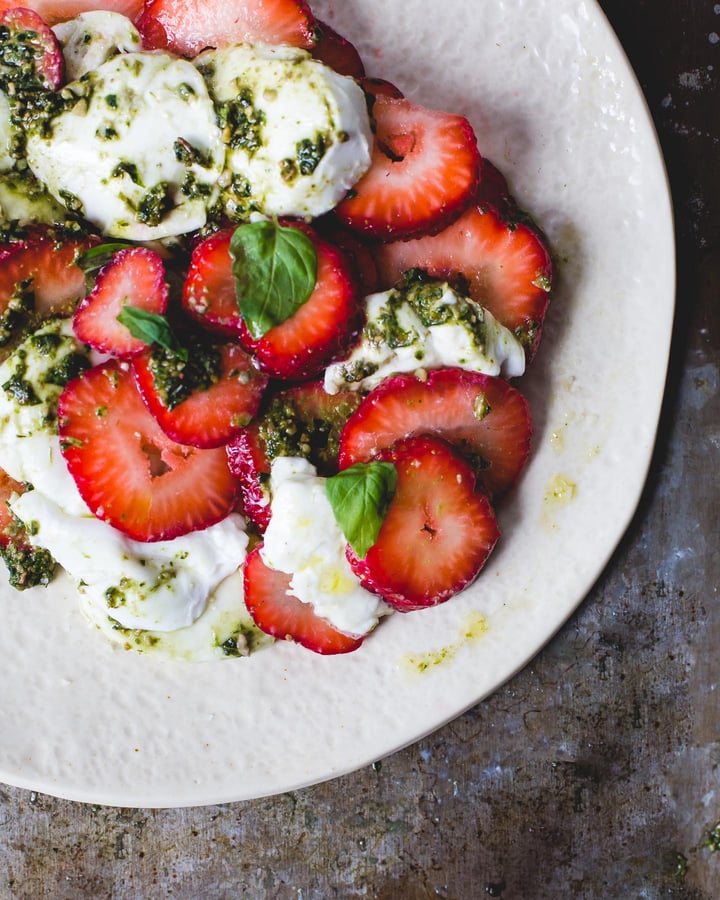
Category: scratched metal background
[595,773]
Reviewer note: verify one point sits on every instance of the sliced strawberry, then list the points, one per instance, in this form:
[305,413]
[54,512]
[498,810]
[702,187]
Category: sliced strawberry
[337,52]
[507,267]
[424,171]
[357,253]
[437,533]
[322,328]
[209,291]
[128,471]
[205,401]
[486,418]
[40,275]
[279,613]
[300,421]
[54,11]
[188,26]
[134,277]
[27,565]
[380,87]
[28,43]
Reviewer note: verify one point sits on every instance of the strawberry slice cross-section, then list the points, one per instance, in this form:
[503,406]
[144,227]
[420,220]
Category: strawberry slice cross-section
[188,26]
[322,328]
[278,612]
[438,531]
[424,171]
[482,415]
[506,264]
[134,276]
[212,410]
[128,471]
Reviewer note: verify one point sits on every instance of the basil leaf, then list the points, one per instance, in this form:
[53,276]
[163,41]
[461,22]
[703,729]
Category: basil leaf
[92,260]
[151,328]
[360,497]
[275,270]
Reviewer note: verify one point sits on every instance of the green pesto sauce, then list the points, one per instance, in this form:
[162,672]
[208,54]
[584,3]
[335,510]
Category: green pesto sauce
[189,155]
[41,367]
[33,102]
[176,379]
[423,295]
[241,121]
[72,365]
[308,155]
[23,199]
[117,595]
[238,201]
[193,188]
[69,366]
[17,387]
[712,839]
[27,566]
[155,204]
[129,169]
[242,641]
[15,315]
[288,429]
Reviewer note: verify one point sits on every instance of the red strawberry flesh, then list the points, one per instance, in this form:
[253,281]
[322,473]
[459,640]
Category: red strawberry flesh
[437,533]
[188,26]
[337,52]
[209,294]
[27,566]
[42,273]
[128,471]
[507,267]
[424,171]
[302,421]
[210,416]
[486,418]
[26,27]
[134,277]
[321,329]
[279,613]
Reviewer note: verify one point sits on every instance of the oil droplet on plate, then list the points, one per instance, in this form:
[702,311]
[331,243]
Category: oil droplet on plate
[472,627]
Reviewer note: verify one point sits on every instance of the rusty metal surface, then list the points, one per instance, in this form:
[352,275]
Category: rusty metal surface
[595,773]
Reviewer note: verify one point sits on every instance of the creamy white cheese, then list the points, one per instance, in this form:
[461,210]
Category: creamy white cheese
[298,134]
[304,540]
[90,39]
[398,338]
[29,445]
[139,152]
[161,586]
[224,631]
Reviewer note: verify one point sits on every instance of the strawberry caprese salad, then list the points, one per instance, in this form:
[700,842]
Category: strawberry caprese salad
[259,311]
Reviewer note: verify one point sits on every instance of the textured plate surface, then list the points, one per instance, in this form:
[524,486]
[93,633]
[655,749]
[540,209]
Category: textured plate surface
[557,108]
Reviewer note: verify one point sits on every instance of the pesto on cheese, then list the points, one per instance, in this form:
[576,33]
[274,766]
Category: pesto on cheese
[424,323]
[297,134]
[136,147]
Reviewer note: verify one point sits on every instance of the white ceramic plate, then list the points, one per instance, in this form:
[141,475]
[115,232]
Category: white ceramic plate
[557,107]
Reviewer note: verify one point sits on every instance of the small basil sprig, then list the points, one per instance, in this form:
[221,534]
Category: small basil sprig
[275,271]
[360,497]
[93,259]
[151,328]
